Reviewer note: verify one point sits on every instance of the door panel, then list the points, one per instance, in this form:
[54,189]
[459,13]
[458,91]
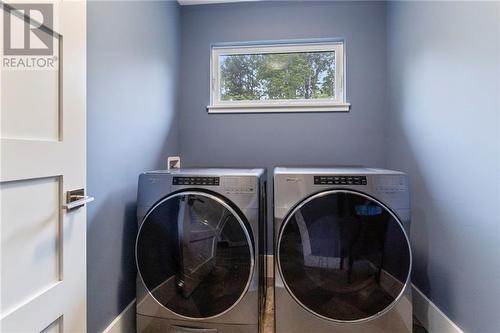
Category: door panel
[343,256]
[26,90]
[43,245]
[30,239]
[54,327]
[195,254]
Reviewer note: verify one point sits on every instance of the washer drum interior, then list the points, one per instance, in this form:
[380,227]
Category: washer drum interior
[344,256]
[195,254]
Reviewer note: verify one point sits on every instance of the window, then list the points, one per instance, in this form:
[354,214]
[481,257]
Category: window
[296,77]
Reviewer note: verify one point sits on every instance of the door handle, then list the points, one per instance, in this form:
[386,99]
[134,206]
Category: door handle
[76,199]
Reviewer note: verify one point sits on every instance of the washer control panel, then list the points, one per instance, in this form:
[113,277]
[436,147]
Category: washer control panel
[204,181]
[340,180]
[239,185]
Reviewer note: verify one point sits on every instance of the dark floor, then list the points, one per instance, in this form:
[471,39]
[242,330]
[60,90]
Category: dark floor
[417,327]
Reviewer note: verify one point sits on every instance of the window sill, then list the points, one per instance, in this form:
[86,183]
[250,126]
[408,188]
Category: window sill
[279,108]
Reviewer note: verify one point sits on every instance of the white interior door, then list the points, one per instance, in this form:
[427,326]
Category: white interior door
[42,242]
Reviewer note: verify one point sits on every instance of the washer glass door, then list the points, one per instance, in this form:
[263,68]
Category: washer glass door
[194,253]
[343,256]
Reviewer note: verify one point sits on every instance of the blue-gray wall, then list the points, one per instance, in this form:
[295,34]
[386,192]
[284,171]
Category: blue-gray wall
[437,119]
[443,88]
[268,140]
[132,72]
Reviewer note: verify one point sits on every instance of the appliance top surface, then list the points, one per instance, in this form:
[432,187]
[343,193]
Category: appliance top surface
[332,170]
[211,172]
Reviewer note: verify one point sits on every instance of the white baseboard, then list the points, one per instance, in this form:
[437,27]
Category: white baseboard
[124,322]
[429,315]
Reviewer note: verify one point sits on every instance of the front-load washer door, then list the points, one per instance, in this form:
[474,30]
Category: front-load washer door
[343,256]
[195,254]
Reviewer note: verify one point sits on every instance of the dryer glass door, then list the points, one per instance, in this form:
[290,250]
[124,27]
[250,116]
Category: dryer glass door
[194,253]
[344,256]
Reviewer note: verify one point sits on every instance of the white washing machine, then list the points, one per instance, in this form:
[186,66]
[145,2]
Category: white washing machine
[200,251]
[342,251]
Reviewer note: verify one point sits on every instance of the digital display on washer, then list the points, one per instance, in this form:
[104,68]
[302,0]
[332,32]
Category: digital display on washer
[205,181]
[340,180]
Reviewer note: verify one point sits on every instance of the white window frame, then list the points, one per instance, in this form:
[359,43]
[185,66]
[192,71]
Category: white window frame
[295,105]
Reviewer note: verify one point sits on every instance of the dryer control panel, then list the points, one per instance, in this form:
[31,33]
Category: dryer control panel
[340,180]
[205,181]
[391,184]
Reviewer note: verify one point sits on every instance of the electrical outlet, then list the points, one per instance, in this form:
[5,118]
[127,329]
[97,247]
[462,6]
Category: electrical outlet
[173,162]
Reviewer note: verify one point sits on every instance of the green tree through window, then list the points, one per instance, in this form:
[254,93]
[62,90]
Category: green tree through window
[277,76]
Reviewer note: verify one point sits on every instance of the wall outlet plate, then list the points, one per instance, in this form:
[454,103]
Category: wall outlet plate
[173,162]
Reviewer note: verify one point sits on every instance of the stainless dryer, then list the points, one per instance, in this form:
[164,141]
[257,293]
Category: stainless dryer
[342,252]
[200,249]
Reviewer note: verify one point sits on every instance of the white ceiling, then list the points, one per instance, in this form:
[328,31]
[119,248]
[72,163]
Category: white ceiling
[208,2]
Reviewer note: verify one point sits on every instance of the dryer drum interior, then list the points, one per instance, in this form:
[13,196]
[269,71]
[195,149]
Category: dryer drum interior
[343,256]
[194,253]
